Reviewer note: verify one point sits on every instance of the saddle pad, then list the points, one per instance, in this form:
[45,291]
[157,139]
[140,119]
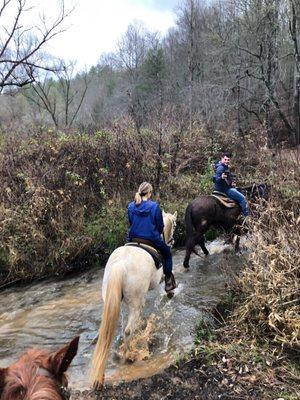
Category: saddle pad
[217,193]
[157,257]
[227,202]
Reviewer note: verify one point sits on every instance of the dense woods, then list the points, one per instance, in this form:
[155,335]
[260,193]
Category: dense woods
[226,64]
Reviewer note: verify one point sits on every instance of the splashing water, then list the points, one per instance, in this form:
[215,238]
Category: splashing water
[50,313]
[139,347]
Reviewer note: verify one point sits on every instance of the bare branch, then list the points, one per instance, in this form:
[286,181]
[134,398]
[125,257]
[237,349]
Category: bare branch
[21,50]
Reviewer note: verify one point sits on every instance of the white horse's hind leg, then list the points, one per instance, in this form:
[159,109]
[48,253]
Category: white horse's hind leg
[135,309]
[156,278]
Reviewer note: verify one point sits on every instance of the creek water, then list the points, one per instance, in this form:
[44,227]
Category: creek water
[50,313]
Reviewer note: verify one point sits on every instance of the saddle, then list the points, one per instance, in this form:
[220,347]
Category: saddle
[148,246]
[224,199]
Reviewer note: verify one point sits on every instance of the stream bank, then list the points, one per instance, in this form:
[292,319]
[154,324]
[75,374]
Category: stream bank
[251,373]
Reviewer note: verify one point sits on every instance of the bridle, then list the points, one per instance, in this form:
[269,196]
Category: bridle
[260,189]
[63,390]
[171,240]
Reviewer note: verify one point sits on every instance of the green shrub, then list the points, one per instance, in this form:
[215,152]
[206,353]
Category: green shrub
[108,229]
[211,234]
[205,183]
[204,331]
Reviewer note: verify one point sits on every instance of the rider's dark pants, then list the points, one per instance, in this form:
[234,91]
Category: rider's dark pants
[166,252]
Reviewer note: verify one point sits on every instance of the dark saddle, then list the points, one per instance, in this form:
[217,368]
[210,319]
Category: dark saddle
[148,246]
[224,199]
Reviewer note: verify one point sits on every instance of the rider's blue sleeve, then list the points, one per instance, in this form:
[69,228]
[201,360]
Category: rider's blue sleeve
[159,222]
[129,213]
[218,175]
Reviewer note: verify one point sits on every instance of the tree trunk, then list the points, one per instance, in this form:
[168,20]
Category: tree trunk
[272,66]
[295,34]
[191,63]
[158,164]
[296,108]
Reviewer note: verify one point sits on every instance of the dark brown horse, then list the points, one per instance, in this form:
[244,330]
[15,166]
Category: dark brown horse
[38,375]
[207,211]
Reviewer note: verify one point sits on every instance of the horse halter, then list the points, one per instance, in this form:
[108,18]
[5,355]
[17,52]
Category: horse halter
[171,240]
[260,189]
[63,390]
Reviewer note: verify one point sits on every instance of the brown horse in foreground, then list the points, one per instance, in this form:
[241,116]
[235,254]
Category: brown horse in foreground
[206,211]
[38,375]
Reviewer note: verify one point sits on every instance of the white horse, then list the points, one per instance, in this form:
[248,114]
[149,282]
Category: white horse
[129,273]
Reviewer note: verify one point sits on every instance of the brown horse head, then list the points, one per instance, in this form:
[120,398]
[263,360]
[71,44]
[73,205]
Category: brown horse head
[38,375]
[257,191]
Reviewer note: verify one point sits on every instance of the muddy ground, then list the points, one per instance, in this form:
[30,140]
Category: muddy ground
[190,379]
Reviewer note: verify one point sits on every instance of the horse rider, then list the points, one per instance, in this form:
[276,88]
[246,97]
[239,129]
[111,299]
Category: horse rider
[224,183]
[146,223]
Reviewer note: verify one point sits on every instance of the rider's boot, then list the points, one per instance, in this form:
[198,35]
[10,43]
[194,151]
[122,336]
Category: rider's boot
[170,283]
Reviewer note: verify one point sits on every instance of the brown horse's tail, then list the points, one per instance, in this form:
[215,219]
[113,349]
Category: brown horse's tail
[110,316]
[189,227]
[191,234]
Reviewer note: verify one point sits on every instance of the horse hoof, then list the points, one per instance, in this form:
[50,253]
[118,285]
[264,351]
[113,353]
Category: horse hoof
[170,295]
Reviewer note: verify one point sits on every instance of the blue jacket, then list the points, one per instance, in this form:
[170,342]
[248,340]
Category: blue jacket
[215,170]
[146,221]
[222,185]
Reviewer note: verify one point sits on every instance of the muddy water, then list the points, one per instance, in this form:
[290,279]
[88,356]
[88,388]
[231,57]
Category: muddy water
[50,313]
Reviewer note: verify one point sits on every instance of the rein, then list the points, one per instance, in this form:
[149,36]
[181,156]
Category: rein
[170,241]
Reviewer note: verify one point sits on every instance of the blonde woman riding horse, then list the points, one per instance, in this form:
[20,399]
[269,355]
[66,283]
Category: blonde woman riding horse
[146,224]
[129,273]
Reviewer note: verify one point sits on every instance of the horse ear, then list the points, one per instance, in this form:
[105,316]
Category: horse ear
[175,215]
[3,372]
[60,361]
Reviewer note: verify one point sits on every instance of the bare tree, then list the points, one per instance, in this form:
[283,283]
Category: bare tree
[72,95]
[132,52]
[191,24]
[61,97]
[295,35]
[21,46]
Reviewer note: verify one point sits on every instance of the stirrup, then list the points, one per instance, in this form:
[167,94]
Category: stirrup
[170,283]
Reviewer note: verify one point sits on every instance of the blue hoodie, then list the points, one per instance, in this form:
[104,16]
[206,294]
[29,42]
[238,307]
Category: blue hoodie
[146,221]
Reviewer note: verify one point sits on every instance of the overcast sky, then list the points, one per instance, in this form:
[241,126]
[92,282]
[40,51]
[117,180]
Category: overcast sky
[95,26]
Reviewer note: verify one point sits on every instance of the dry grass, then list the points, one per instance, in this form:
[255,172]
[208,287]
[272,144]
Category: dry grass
[271,285]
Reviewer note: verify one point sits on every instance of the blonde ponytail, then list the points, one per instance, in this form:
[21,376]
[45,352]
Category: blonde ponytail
[137,198]
[144,189]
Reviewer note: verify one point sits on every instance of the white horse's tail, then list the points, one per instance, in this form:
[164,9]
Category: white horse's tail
[110,316]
